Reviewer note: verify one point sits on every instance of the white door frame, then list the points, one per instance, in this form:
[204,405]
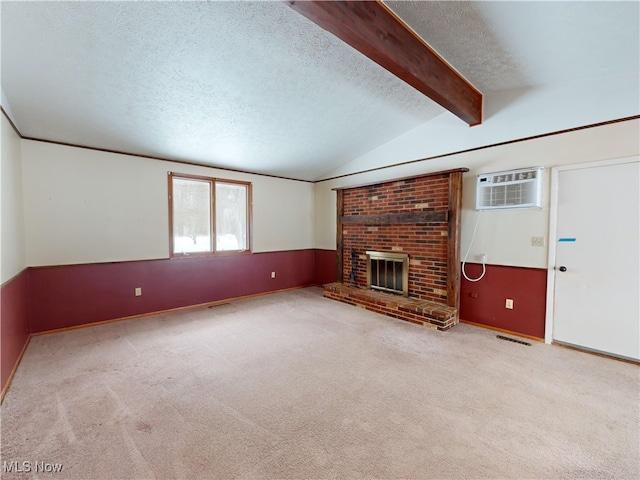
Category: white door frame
[553,226]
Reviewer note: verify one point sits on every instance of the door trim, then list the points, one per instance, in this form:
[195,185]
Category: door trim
[553,228]
[599,353]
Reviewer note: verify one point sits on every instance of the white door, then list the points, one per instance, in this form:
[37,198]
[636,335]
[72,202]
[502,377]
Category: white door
[596,280]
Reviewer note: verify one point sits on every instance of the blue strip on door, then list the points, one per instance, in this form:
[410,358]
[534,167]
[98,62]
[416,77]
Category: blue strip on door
[567,239]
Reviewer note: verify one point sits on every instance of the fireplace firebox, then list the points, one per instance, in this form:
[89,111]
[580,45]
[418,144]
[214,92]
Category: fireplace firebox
[388,272]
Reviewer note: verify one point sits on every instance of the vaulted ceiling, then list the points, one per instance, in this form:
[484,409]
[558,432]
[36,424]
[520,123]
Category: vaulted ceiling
[255,86]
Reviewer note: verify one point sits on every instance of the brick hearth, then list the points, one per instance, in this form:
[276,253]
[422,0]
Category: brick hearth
[421,312]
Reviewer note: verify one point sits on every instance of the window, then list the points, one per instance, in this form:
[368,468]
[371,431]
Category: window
[208,215]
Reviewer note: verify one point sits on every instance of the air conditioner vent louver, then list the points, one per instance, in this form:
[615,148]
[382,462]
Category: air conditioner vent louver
[509,189]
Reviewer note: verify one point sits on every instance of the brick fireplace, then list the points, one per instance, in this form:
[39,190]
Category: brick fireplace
[416,216]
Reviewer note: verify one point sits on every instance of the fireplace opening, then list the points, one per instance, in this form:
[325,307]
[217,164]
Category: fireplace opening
[388,272]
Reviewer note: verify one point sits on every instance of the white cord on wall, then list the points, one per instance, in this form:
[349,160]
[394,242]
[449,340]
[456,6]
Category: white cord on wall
[464,261]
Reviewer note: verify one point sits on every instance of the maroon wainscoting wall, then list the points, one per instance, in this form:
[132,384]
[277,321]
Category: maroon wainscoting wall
[483,302]
[14,323]
[325,266]
[71,295]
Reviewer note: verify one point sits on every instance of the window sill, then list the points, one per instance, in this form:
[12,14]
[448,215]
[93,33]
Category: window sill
[228,253]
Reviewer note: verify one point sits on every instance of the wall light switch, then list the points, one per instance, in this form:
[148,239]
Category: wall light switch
[508,303]
[537,241]
[138,291]
[273,274]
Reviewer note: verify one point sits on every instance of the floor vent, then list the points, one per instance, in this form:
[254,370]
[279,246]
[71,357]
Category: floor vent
[501,337]
[218,305]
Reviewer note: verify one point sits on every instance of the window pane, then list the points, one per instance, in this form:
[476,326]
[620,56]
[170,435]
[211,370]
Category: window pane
[191,216]
[231,216]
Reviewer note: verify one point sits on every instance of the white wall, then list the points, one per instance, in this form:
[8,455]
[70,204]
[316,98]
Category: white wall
[84,206]
[14,257]
[505,236]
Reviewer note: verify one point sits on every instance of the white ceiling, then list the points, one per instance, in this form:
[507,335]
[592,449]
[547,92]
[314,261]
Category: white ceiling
[255,86]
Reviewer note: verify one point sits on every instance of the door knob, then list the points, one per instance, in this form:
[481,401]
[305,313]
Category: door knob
[563,268]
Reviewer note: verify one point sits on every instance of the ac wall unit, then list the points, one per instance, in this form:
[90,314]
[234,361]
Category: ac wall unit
[511,189]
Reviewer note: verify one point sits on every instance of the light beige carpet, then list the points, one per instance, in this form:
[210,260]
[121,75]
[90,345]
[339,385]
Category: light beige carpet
[292,385]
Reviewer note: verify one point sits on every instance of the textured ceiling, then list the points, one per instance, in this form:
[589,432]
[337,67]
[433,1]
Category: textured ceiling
[255,86]
[247,85]
[516,44]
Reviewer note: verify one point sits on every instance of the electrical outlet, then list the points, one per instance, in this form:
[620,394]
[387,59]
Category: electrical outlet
[138,291]
[482,257]
[508,303]
[273,274]
[537,241]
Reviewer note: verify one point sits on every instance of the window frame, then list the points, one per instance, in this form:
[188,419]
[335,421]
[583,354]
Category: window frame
[212,181]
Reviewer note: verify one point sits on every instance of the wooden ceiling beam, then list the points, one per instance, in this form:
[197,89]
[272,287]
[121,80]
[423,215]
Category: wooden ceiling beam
[372,29]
